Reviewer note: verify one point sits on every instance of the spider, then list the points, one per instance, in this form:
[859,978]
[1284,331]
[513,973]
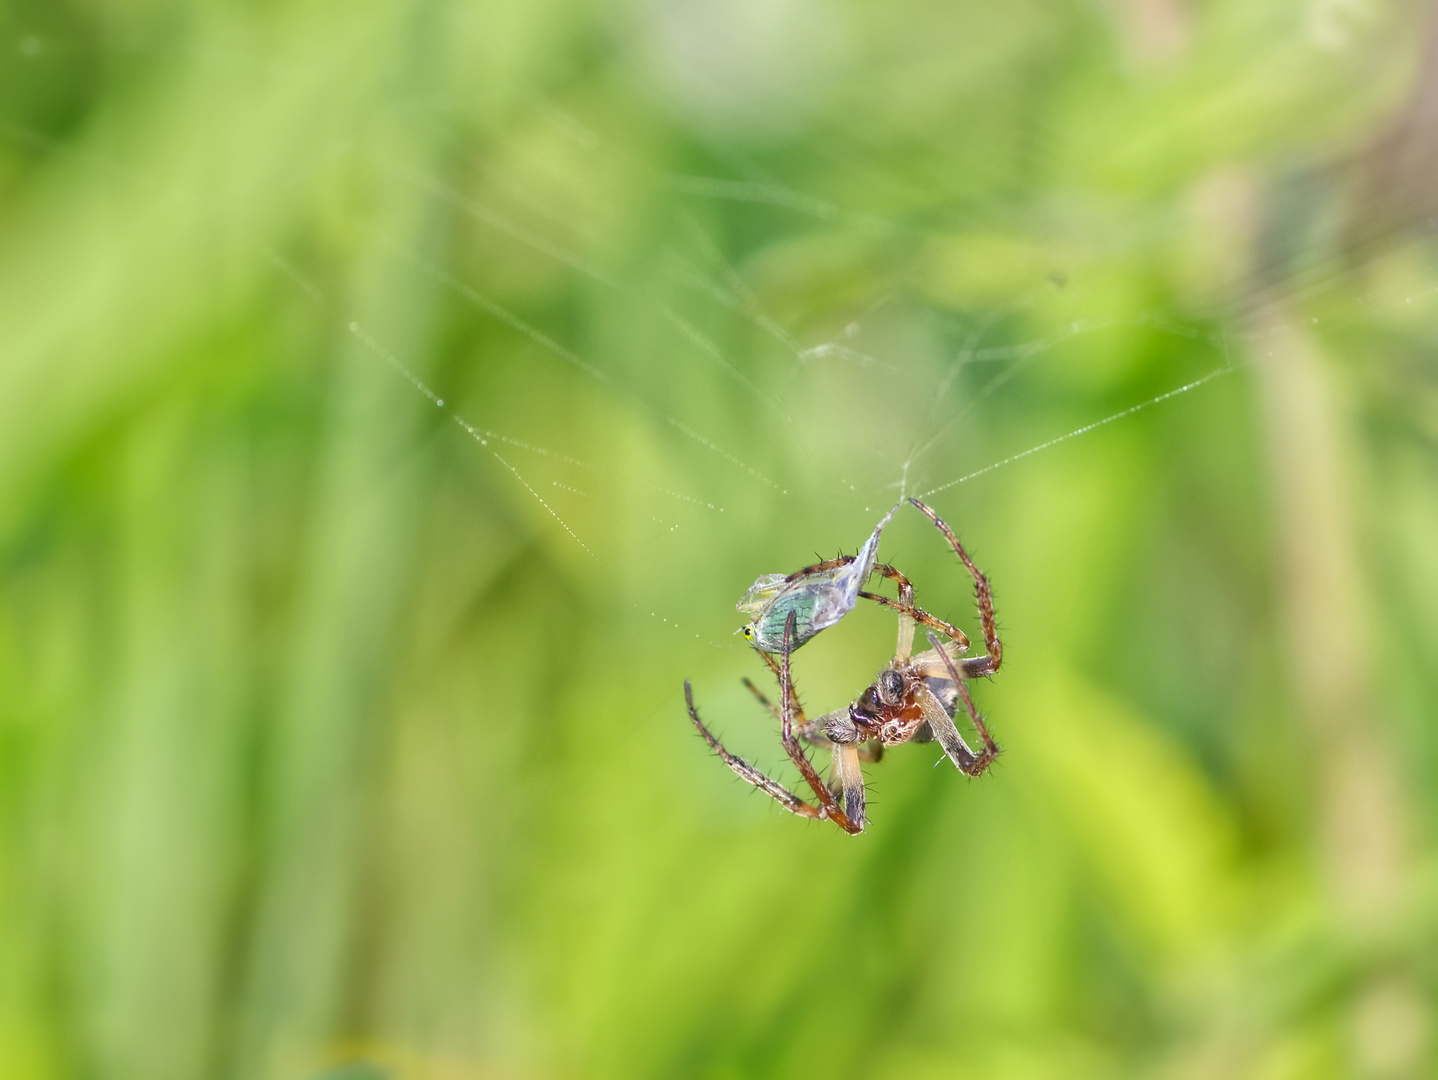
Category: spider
[913,699]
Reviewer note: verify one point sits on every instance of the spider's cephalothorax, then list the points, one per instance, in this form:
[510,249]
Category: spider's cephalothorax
[892,708]
[914,699]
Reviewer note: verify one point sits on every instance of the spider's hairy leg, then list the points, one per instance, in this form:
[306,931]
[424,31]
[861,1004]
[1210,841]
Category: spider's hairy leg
[908,615]
[744,770]
[930,665]
[821,567]
[813,731]
[978,665]
[828,806]
[764,701]
[942,725]
[837,729]
[848,779]
[947,735]
[905,645]
[797,710]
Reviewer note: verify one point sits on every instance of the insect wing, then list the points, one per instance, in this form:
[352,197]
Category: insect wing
[837,596]
[761,594]
[858,571]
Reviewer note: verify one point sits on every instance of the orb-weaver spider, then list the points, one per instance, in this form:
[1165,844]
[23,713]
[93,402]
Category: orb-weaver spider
[913,699]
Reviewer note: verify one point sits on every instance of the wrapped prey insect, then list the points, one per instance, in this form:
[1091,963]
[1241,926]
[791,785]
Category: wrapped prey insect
[817,596]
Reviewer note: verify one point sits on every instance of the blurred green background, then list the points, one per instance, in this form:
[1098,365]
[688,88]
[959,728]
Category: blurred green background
[337,739]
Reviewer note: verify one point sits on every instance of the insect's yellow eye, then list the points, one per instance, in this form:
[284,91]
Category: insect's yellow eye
[748,631]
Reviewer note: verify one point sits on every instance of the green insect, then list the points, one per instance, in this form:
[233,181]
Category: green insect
[818,596]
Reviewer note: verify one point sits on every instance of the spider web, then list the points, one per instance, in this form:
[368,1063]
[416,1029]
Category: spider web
[813,417]
[802,403]
[769,410]
[687,376]
[664,330]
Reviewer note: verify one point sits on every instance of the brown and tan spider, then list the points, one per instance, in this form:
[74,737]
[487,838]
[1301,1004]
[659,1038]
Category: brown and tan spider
[914,699]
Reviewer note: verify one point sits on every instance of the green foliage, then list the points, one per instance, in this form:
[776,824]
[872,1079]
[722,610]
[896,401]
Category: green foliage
[339,740]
